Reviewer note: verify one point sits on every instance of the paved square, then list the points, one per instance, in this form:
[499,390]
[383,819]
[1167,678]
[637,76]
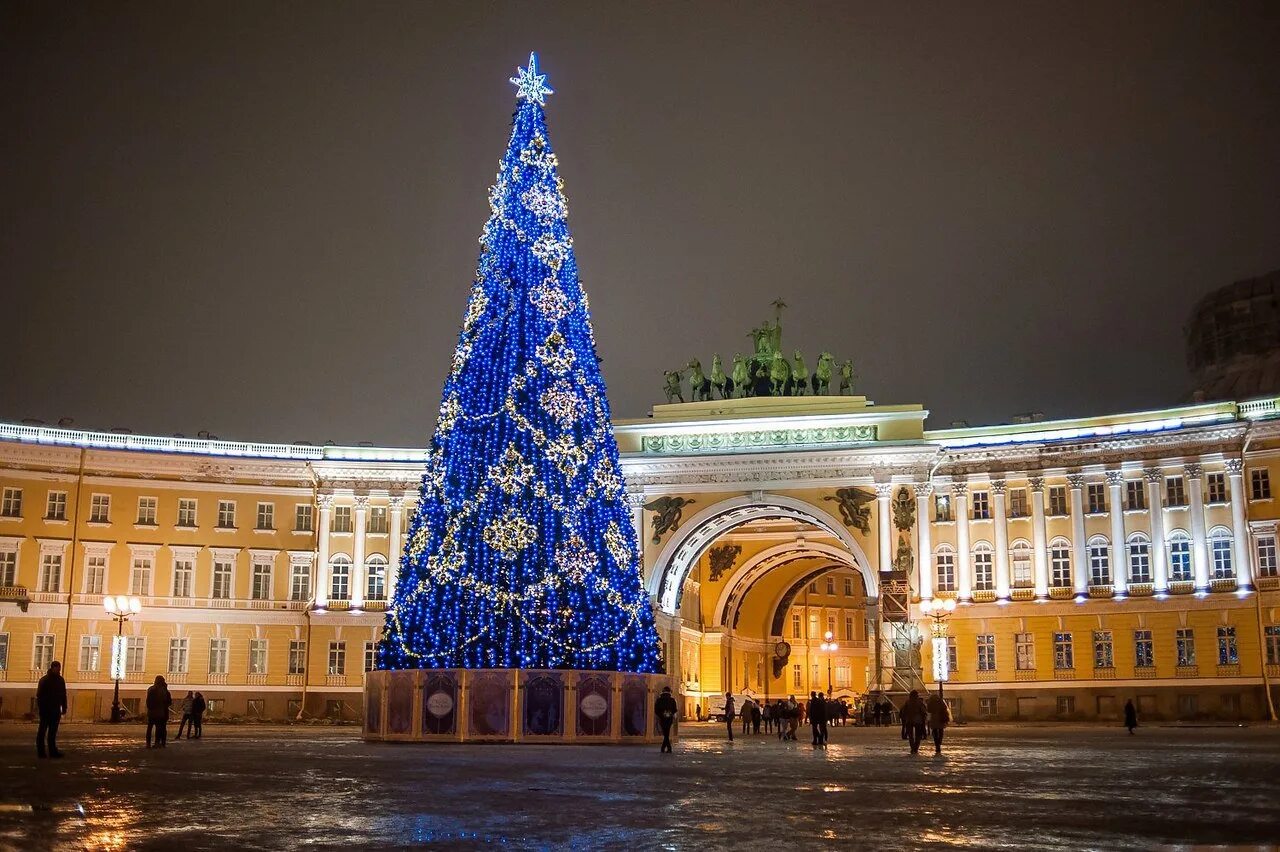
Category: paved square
[1063,788]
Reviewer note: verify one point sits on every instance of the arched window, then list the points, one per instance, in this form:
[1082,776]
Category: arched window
[984,577]
[1180,570]
[1060,563]
[1020,558]
[1099,561]
[376,585]
[1139,558]
[945,561]
[1220,554]
[340,578]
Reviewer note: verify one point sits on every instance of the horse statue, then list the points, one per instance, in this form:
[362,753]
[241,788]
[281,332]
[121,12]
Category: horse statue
[718,378]
[822,375]
[741,376]
[799,375]
[699,386]
[779,374]
[846,378]
[672,386]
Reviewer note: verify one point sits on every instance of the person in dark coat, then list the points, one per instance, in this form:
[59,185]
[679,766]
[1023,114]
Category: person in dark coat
[51,702]
[188,720]
[158,703]
[198,705]
[756,716]
[914,716]
[817,713]
[1130,716]
[665,711]
[729,713]
[939,718]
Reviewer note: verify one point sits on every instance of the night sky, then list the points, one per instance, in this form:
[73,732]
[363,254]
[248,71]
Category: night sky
[261,219]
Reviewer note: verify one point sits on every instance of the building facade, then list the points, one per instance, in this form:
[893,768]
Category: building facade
[1092,560]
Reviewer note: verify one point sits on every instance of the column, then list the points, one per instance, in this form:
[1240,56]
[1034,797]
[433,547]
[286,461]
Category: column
[1239,526]
[1119,549]
[321,591]
[884,491]
[1039,540]
[1199,536]
[1155,506]
[1001,528]
[964,559]
[1079,566]
[395,549]
[924,543]
[357,553]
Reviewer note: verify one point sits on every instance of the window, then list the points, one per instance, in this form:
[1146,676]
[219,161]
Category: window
[42,651]
[11,503]
[946,568]
[50,573]
[222,577]
[178,654]
[795,676]
[844,675]
[337,658]
[257,656]
[1272,639]
[299,582]
[183,572]
[1057,500]
[1260,484]
[1217,488]
[376,581]
[227,514]
[297,657]
[813,676]
[8,567]
[218,652]
[266,516]
[55,509]
[1266,547]
[1018,503]
[848,629]
[1227,654]
[147,511]
[377,522]
[942,507]
[302,517]
[340,578]
[135,654]
[4,652]
[796,632]
[186,512]
[848,587]
[1060,564]
[90,653]
[1185,644]
[988,706]
[1025,647]
[370,656]
[1097,494]
[986,652]
[981,506]
[140,576]
[1135,495]
[1175,494]
[100,509]
[951,654]
[1021,559]
[831,626]
[813,588]
[95,574]
[813,625]
[341,519]
[1220,554]
[1066,705]
[1143,649]
[1063,652]
[831,585]
[256,707]
[1099,562]
[1139,559]
[983,568]
[1103,650]
[1179,557]
[260,587]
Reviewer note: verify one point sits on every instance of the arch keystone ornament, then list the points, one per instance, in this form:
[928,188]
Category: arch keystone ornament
[520,614]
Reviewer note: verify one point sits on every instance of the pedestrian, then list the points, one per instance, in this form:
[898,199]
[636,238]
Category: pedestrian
[51,702]
[818,718]
[728,714]
[197,714]
[188,721]
[756,714]
[1130,716]
[766,714]
[939,718]
[780,718]
[914,716]
[698,710]
[794,709]
[665,709]
[746,715]
[158,703]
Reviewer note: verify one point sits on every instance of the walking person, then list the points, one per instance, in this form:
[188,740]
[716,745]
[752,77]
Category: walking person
[939,718]
[1130,716]
[780,718]
[746,716]
[51,702]
[766,714]
[914,717]
[793,717]
[197,714]
[158,703]
[188,721]
[665,709]
[729,713]
[756,714]
[817,718]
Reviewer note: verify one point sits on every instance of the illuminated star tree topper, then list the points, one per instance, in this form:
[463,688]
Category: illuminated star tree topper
[530,85]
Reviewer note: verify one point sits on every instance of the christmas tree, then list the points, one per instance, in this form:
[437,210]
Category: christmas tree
[521,552]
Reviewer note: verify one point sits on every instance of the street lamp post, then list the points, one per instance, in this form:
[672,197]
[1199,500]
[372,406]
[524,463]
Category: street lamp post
[829,647]
[939,609]
[121,609]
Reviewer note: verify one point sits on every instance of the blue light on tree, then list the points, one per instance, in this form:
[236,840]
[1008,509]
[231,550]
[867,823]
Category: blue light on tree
[521,552]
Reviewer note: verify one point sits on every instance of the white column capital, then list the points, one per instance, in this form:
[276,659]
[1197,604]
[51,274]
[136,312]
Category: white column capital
[1115,478]
[1193,470]
[1076,481]
[1235,467]
[1036,483]
[999,487]
[959,489]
